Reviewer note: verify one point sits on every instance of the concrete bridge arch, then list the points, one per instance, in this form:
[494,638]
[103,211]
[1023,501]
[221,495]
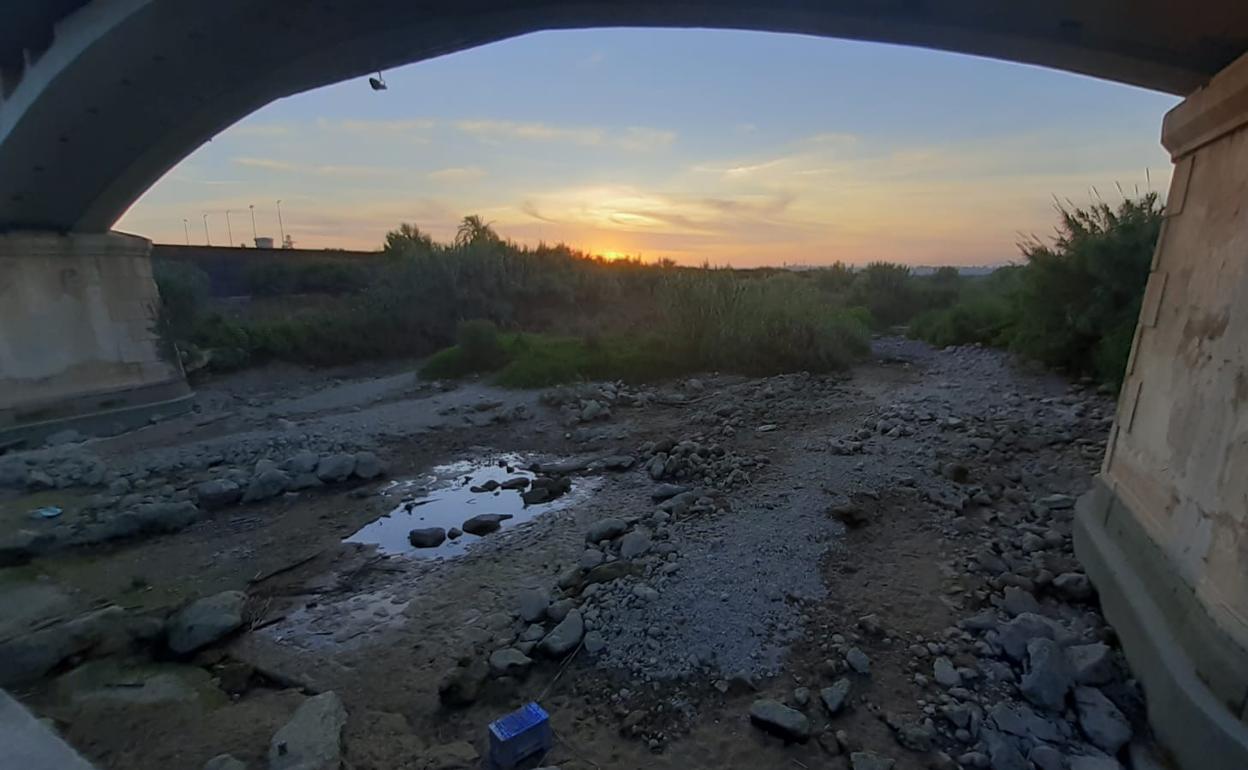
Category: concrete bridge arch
[98,98]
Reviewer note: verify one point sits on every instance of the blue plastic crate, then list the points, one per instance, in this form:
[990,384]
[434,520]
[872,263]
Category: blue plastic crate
[520,735]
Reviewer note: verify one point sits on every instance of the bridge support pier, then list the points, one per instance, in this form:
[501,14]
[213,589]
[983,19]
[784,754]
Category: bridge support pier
[1164,532]
[78,341]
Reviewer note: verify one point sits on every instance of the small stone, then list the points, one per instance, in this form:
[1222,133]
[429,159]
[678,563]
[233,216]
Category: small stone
[834,697]
[428,537]
[605,529]
[801,697]
[217,493]
[780,720]
[1017,601]
[869,760]
[858,661]
[1091,663]
[1101,720]
[634,544]
[559,610]
[591,558]
[266,484]
[312,739]
[509,662]
[594,643]
[1074,586]
[945,674]
[664,491]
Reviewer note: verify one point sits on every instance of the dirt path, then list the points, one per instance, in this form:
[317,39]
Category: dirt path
[914,512]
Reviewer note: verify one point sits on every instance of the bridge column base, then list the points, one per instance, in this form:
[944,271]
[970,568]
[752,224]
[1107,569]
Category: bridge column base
[78,340]
[1164,534]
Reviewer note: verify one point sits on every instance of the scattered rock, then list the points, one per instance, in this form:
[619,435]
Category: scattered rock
[427,537]
[312,739]
[834,697]
[1091,663]
[509,662]
[869,760]
[665,491]
[484,523]
[594,643]
[780,720]
[332,469]
[564,637]
[27,657]
[858,661]
[266,484]
[945,674]
[218,493]
[205,621]
[1074,586]
[605,529]
[1101,720]
[1048,677]
[634,544]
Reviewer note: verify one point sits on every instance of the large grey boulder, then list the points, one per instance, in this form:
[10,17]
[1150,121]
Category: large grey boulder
[266,484]
[564,637]
[204,621]
[509,662]
[303,461]
[1101,720]
[312,739]
[217,493]
[780,720]
[335,468]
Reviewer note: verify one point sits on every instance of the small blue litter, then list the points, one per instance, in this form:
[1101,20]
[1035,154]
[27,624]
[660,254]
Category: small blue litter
[47,512]
[518,736]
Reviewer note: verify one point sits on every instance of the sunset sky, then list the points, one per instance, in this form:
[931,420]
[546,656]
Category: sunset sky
[729,147]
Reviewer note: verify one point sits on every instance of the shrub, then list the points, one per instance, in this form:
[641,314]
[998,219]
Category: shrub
[479,344]
[183,290]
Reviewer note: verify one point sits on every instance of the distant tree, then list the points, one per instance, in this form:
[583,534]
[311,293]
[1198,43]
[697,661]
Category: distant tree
[887,290]
[474,231]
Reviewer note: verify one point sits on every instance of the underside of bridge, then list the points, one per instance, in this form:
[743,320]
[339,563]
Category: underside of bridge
[98,98]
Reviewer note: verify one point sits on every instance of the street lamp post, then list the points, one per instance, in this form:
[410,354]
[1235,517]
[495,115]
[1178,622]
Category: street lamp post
[252,206]
[186,230]
[207,238]
[229,231]
[281,228]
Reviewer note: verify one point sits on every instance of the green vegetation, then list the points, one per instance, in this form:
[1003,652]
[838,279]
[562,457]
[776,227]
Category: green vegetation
[1074,304]
[538,316]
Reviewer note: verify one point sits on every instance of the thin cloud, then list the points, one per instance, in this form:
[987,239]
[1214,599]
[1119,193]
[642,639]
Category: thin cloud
[330,170]
[456,174]
[632,139]
[411,129]
[261,130]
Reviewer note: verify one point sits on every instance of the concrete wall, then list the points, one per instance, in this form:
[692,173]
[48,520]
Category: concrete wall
[76,326]
[227,266]
[1165,535]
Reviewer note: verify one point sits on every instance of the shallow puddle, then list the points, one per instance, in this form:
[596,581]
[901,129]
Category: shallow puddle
[446,499]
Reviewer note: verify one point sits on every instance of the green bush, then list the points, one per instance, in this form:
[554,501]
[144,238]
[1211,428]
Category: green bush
[183,290]
[271,279]
[479,344]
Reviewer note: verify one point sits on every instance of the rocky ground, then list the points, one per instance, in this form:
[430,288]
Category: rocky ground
[864,571]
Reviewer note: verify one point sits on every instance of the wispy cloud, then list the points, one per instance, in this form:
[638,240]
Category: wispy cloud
[411,129]
[330,170]
[632,139]
[456,174]
[261,130]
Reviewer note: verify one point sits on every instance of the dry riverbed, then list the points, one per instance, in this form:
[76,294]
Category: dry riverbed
[864,571]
